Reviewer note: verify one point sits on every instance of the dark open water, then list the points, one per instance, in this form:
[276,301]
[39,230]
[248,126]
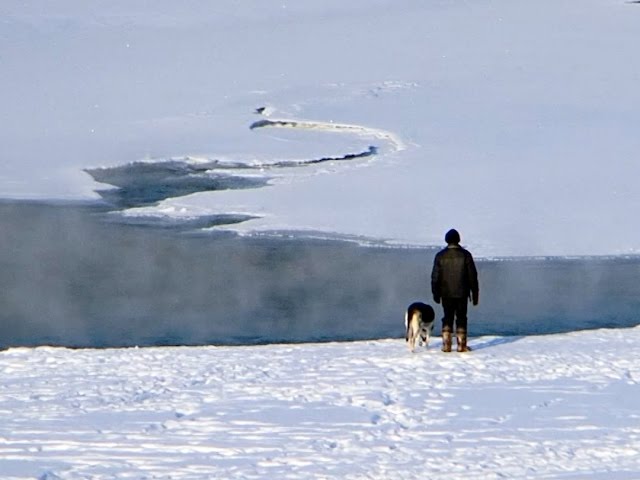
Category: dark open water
[75,275]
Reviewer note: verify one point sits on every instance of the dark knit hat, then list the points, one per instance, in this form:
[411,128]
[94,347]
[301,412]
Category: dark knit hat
[452,237]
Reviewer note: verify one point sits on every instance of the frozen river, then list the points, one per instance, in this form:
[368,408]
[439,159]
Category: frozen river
[77,275]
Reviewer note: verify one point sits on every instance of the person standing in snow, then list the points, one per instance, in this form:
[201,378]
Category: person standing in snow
[454,279]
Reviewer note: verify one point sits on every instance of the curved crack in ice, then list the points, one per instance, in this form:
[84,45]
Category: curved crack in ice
[203,165]
[147,183]
[396,143]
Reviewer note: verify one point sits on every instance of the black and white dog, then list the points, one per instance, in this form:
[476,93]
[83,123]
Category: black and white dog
[419,320]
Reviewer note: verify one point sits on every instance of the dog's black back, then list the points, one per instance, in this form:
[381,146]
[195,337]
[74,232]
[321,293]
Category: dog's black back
[427,312]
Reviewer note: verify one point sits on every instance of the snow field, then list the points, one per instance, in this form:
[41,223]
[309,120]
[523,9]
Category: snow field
[561,406]
[534,103]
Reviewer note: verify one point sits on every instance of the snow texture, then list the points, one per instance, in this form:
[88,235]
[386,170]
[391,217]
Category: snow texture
[559,406]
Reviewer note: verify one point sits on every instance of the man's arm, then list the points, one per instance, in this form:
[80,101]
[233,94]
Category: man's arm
[435,279]
[472,275]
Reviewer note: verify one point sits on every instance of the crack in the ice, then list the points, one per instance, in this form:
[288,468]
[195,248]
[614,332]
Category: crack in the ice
[396,143]
[147,183]
[140,184]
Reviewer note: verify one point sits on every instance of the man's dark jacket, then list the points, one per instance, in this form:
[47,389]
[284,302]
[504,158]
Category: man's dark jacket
[454,274]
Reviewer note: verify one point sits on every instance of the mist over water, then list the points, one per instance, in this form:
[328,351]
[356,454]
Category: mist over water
[76,275]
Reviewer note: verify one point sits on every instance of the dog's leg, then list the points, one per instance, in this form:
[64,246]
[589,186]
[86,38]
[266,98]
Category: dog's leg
[414,330]
[412,339]
[410,333]
[425,337]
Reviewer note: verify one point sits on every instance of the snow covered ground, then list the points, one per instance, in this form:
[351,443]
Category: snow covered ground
[388,120]
[560,406]
[515,122]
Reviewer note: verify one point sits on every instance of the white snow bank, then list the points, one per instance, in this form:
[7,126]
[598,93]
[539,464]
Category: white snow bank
[560,406]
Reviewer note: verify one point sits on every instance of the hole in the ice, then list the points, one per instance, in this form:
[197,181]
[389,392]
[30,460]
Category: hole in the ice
[142,183]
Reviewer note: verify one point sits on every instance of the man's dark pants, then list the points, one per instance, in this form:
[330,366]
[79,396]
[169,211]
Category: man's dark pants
[454,308]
